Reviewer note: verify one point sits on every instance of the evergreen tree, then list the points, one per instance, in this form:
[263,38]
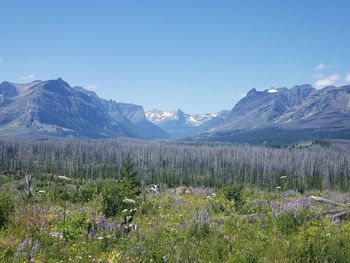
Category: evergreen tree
[129,172]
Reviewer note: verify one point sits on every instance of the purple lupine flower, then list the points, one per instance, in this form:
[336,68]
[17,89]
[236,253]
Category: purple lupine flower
[34,248]
[23,245]
[112,226]
[27,247]
[102,222]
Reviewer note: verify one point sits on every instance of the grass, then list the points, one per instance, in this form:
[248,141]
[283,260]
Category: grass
[181,227]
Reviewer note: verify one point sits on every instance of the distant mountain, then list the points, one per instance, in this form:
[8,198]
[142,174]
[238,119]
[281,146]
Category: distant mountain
[54,108]
[282,116]
[275,116]
[179,124]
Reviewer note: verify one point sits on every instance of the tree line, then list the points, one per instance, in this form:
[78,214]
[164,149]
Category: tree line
[319,166]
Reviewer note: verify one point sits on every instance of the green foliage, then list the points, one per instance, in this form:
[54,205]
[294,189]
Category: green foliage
[86,194]
[290,222]
[287,223]
[6,209]
[235,193]
[199,230]
[170,226]
[220,204]
[148,206]
[321,242]
[114,194]
[129,172]
[73,226]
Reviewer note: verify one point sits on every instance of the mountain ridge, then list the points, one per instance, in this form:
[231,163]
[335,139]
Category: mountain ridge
[273,116]
[54,108]
[301,112]
[180,124]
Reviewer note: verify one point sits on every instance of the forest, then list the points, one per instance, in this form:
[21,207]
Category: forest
[315,165]
[150,201]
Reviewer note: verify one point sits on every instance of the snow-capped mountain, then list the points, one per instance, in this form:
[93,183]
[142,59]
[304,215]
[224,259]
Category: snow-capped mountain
[179,124]
[275,116]
[158,116]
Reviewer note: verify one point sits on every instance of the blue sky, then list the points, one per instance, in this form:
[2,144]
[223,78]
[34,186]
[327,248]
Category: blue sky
[200,56]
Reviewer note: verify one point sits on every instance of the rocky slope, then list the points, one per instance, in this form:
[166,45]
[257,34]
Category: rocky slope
[282,116]
[54,108]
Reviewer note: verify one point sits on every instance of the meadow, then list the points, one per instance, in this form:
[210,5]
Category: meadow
[133,201]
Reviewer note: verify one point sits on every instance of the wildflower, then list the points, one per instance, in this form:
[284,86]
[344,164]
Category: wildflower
[28,248]
[35,246]
[129,201]
[64,178]
[55,234]
[100,238]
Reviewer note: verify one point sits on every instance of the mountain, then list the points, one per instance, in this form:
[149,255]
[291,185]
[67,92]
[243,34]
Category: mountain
[54,108]
[283,116]
[275,116]
[179,124]
[146,129]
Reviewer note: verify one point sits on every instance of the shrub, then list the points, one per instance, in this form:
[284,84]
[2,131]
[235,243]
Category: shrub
[6,209]
[86,194]
[235,193]
[113,195]
[220,204]
[73,227]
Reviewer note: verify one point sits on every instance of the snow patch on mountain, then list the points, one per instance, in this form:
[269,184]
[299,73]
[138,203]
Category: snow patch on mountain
[272,90]
[158,116]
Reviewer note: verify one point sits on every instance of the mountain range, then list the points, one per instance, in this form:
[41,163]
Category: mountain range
[54,108]
[274,116]
[181,125]
[283,116]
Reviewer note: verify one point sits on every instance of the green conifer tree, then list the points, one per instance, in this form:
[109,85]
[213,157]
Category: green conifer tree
[129,172]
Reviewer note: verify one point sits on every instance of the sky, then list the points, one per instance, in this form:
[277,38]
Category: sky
[200,56]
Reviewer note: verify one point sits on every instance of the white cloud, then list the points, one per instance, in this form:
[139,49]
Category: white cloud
[327,81]
[322,66]
[91,87]
[347,77]
[27,77]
